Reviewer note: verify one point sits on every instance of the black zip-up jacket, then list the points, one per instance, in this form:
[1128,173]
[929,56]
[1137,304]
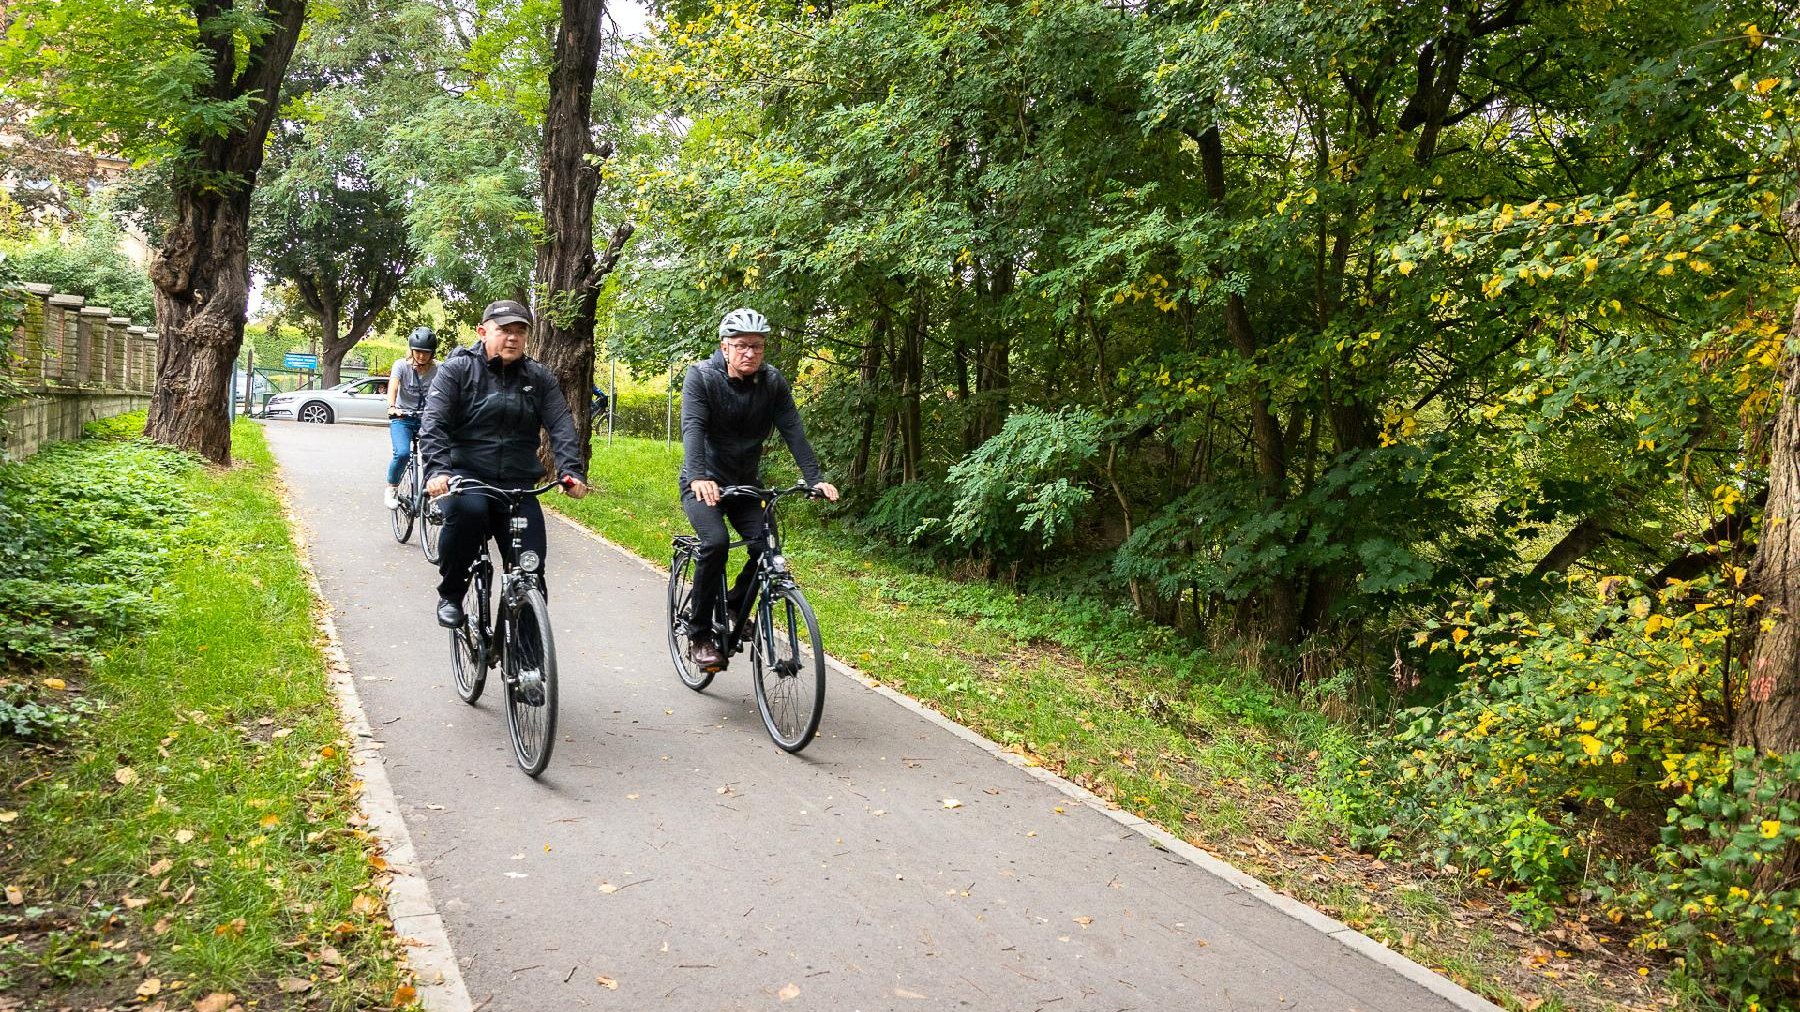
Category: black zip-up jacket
[725,421]
[482,420]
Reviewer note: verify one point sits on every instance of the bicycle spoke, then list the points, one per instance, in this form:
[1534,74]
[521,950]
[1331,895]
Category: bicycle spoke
[790,671]
[530,665]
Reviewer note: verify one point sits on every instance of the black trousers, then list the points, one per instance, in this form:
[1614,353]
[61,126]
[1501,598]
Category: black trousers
[746,516]
[469,520]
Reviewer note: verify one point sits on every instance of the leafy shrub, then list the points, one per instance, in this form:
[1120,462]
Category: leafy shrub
[1020,490]
[86,261]
[84,528]
[901,515]
[24,714]
[1701,899]
[1554,729]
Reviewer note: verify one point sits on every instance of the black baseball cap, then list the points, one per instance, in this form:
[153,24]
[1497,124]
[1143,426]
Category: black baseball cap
[504,312]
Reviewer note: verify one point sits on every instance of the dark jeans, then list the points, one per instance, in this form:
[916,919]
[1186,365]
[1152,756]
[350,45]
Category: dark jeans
[746,515]
[469,520]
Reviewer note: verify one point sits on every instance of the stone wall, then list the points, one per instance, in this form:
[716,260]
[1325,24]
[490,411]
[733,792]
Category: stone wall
[76,364]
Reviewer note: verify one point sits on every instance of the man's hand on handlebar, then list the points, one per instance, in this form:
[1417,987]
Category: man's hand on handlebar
[704,490]
[827,489]
[438,485]
[574,487]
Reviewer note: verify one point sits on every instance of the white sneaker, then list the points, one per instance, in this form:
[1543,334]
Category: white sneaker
[391,498]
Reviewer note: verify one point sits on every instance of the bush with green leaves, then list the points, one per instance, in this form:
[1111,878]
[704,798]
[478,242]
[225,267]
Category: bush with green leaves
[1556,730]
[85,528]
[1701,899]
[1021,490]
[86,259]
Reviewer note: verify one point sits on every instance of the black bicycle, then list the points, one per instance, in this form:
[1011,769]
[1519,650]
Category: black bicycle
[786,657]
[413,504]
[512,634]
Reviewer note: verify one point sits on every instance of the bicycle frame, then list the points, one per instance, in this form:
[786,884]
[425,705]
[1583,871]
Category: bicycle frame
[513,577]
[771,572]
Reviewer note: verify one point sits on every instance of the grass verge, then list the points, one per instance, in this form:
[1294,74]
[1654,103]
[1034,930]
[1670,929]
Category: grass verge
[1203,749]
[194,840]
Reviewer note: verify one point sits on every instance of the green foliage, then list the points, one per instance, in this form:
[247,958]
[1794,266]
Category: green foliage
[1555,731]
[1019,482]
[34,714]
[1702,899]
[84,258]
[78,555]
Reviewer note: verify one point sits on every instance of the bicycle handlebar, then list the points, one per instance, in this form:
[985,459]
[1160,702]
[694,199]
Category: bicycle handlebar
[462,484]
[771,493]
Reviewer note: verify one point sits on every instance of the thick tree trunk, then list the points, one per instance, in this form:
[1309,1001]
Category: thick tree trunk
[202,270]
[1769,720]
[569,273]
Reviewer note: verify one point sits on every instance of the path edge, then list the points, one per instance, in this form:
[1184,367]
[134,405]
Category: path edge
[418,927]
[1342,933]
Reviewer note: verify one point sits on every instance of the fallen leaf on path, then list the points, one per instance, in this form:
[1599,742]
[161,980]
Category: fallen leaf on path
[235,927]
[901,992]
[608,888]
[607,982]
[218,1001]
[362,904]
[631,797]
[282,733]
[1084,921]
[184,836]
[270,821]
[150,988]
[788,993]
[133,902]
[293,985]
[330,956]
[405,994]
[55,683]
[517,874]
[14,895]
[125,775]
[160,868]
[434,808]
[8,816]
[952,803]
[1058,810]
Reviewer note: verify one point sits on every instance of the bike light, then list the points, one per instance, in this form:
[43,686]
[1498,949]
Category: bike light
[529,561]
[520,523]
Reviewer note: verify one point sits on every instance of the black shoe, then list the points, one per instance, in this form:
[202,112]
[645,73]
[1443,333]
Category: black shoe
[450,614]
[706,655]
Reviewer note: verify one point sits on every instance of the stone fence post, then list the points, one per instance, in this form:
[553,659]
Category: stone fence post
[90,336]
[61,357]
[27,365]
[115,352]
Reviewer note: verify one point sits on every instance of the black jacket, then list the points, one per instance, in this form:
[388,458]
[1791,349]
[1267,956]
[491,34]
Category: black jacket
[482,420]
[724,422]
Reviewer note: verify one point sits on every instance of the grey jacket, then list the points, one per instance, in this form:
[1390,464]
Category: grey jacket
[725,421]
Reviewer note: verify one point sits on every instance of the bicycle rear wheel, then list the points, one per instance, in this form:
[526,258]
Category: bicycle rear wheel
[405,497]
[469,642]
[530,666]
[681,594]
[431,527]
[789,666]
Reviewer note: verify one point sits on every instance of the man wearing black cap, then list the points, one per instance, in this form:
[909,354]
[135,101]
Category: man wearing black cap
[481,421]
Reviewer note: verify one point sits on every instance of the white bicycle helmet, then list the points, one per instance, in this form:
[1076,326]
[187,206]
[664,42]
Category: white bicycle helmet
[742,321]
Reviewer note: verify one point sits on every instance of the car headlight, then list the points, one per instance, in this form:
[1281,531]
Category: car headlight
[529,561]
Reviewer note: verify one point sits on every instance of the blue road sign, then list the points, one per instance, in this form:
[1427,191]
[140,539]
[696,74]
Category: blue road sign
[297,360]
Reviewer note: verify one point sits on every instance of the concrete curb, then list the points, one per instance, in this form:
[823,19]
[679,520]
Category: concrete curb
[1250,885]
[425,942]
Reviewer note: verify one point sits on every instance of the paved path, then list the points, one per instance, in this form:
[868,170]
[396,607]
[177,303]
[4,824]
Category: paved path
[673,849]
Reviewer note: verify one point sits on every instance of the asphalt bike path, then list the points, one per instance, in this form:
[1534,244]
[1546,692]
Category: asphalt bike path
[672,857]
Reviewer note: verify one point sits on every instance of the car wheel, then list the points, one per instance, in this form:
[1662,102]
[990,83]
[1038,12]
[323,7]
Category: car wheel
[316,413]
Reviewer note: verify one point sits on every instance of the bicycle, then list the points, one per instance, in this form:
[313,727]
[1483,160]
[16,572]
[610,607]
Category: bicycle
[515,636]
[414,504]
[787,660]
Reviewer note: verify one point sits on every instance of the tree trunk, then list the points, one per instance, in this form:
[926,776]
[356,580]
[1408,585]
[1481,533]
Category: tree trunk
[202,270]
[870,394]
[909,369]
[568,272]
[1769,720]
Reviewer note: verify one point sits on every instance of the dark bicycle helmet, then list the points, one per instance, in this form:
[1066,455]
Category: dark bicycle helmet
[422,339]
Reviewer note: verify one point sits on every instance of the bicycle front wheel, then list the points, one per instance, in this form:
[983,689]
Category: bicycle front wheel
[431,527]
[401,515]
[530,667]
[789,666]
[681,594]
[468,643]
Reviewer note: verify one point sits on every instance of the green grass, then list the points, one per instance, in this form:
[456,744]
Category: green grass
[1202,748]
[201,828]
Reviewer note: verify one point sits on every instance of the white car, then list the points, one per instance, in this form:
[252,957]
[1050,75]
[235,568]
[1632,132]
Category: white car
[358,400]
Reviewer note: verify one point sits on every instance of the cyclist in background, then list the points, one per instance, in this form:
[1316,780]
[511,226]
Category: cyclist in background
[729,405]
[408,382]
[482,418]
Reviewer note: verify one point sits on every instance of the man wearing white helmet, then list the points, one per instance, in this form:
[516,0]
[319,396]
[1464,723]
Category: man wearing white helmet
[729,405]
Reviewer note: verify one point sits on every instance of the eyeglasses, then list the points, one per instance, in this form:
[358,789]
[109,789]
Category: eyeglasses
[745,349]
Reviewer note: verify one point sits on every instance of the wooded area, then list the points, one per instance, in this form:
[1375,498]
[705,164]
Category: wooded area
[1438,360]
